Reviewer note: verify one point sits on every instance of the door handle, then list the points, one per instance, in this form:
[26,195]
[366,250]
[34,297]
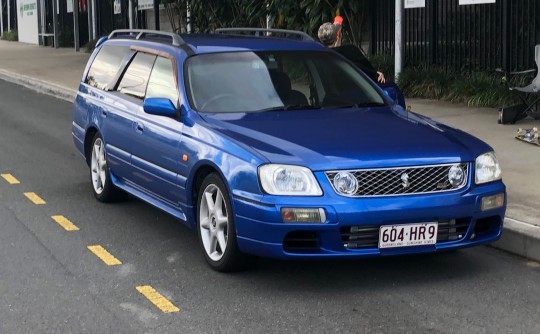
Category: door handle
[103,113]
[140,127]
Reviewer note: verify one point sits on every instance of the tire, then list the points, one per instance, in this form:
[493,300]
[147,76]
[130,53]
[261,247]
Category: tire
[216,228]
[100,175]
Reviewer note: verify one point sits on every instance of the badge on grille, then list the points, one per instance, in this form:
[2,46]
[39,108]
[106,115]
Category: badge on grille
[405,180]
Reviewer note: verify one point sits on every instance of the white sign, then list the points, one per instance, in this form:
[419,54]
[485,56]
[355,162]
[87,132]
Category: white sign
[415,3]
[69,6]
[475,2]
[146,4]
[117,7]
[27,21]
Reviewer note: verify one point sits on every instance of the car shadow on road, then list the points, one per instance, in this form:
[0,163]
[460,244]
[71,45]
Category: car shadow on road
[371,273]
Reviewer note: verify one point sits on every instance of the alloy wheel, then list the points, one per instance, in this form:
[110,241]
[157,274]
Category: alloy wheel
[214,222]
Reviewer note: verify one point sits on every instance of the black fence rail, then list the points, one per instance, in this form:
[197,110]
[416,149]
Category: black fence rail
[464,38]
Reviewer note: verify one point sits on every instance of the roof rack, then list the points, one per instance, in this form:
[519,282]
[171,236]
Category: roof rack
[143,33]
[258,31]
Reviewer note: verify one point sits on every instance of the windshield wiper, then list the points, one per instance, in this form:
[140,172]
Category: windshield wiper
[301,106]
[291,107]
[361,105]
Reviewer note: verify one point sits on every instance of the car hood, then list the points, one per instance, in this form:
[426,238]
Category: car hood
[348,138]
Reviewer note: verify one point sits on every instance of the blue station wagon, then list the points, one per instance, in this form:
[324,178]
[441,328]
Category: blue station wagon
[269,144]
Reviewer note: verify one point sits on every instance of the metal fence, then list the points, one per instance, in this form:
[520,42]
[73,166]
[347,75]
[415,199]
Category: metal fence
[465,38]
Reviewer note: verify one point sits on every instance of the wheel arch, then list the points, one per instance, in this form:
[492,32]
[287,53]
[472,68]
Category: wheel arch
[201,171]
[90,134]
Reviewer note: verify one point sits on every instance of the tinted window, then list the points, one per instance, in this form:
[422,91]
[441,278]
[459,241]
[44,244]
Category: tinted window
[135,78]
[105,66]
[162,82]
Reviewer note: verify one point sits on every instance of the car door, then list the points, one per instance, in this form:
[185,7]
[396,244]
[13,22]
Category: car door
[114,119]
[156,145]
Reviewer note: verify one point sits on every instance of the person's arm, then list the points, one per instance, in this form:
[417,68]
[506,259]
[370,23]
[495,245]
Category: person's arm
[355,55]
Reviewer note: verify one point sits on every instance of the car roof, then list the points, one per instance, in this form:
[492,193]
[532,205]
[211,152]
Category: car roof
[213,43]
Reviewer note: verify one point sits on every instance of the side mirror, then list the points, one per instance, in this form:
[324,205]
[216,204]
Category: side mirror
[159,107]
[392,91]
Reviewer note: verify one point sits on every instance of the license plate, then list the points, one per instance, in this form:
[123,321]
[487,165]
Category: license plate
[407,235]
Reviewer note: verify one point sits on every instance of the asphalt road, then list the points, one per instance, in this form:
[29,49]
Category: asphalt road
[50,282]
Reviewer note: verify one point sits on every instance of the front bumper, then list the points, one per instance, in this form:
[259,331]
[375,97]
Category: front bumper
[261,231]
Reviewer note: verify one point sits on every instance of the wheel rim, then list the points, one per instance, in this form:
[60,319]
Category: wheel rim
[214,222]
[98,166]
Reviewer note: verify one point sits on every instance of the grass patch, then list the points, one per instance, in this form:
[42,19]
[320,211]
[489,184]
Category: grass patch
[11,35]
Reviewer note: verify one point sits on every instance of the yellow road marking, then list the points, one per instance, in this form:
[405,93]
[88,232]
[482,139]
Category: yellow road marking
[10,179]
[157,299]
[65,223]
[34,198]
[104,255]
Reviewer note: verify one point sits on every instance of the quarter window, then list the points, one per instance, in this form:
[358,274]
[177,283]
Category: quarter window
[136,77]
[162,83]
[105,66]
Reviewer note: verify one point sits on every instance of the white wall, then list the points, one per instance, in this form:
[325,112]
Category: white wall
[27,21]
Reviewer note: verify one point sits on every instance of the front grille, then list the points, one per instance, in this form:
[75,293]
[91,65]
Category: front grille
[362,237]
[403,180]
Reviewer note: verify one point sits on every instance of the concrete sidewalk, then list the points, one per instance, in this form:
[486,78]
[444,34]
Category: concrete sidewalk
[58,72]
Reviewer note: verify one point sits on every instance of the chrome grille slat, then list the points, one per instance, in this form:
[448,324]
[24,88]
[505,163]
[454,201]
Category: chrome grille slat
[388,182]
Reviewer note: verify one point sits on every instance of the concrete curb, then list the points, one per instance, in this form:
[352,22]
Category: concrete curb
[518,237]
[39,86]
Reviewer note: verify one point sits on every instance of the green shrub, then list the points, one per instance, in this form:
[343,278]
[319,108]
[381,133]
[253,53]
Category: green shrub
[477,89]
[430,83]
[11,35]
[90,46]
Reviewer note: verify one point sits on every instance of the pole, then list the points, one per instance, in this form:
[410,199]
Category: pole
[8,15]
[41,15]
[156,14]
[506,37]
[94,21]
[1,17]
[398,43]
[89,12]
[76,24]
[130,14]
[55,24]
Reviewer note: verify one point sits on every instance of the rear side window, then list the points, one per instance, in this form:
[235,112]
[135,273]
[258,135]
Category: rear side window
[105,66]
[162,83]
[136,77]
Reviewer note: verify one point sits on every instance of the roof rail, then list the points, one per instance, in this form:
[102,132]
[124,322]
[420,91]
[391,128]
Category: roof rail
[237,31]
[142,33]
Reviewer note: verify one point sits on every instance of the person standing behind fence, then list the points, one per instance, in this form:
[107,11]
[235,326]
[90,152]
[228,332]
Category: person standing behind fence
[330,35]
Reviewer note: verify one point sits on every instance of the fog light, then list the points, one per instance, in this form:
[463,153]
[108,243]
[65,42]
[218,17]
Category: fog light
[303,215]
[492,202]
[345,183]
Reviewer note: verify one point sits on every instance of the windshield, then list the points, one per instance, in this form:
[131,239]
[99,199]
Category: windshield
[285,80]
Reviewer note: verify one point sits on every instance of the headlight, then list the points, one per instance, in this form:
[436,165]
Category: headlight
[487,168]
[288,180]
